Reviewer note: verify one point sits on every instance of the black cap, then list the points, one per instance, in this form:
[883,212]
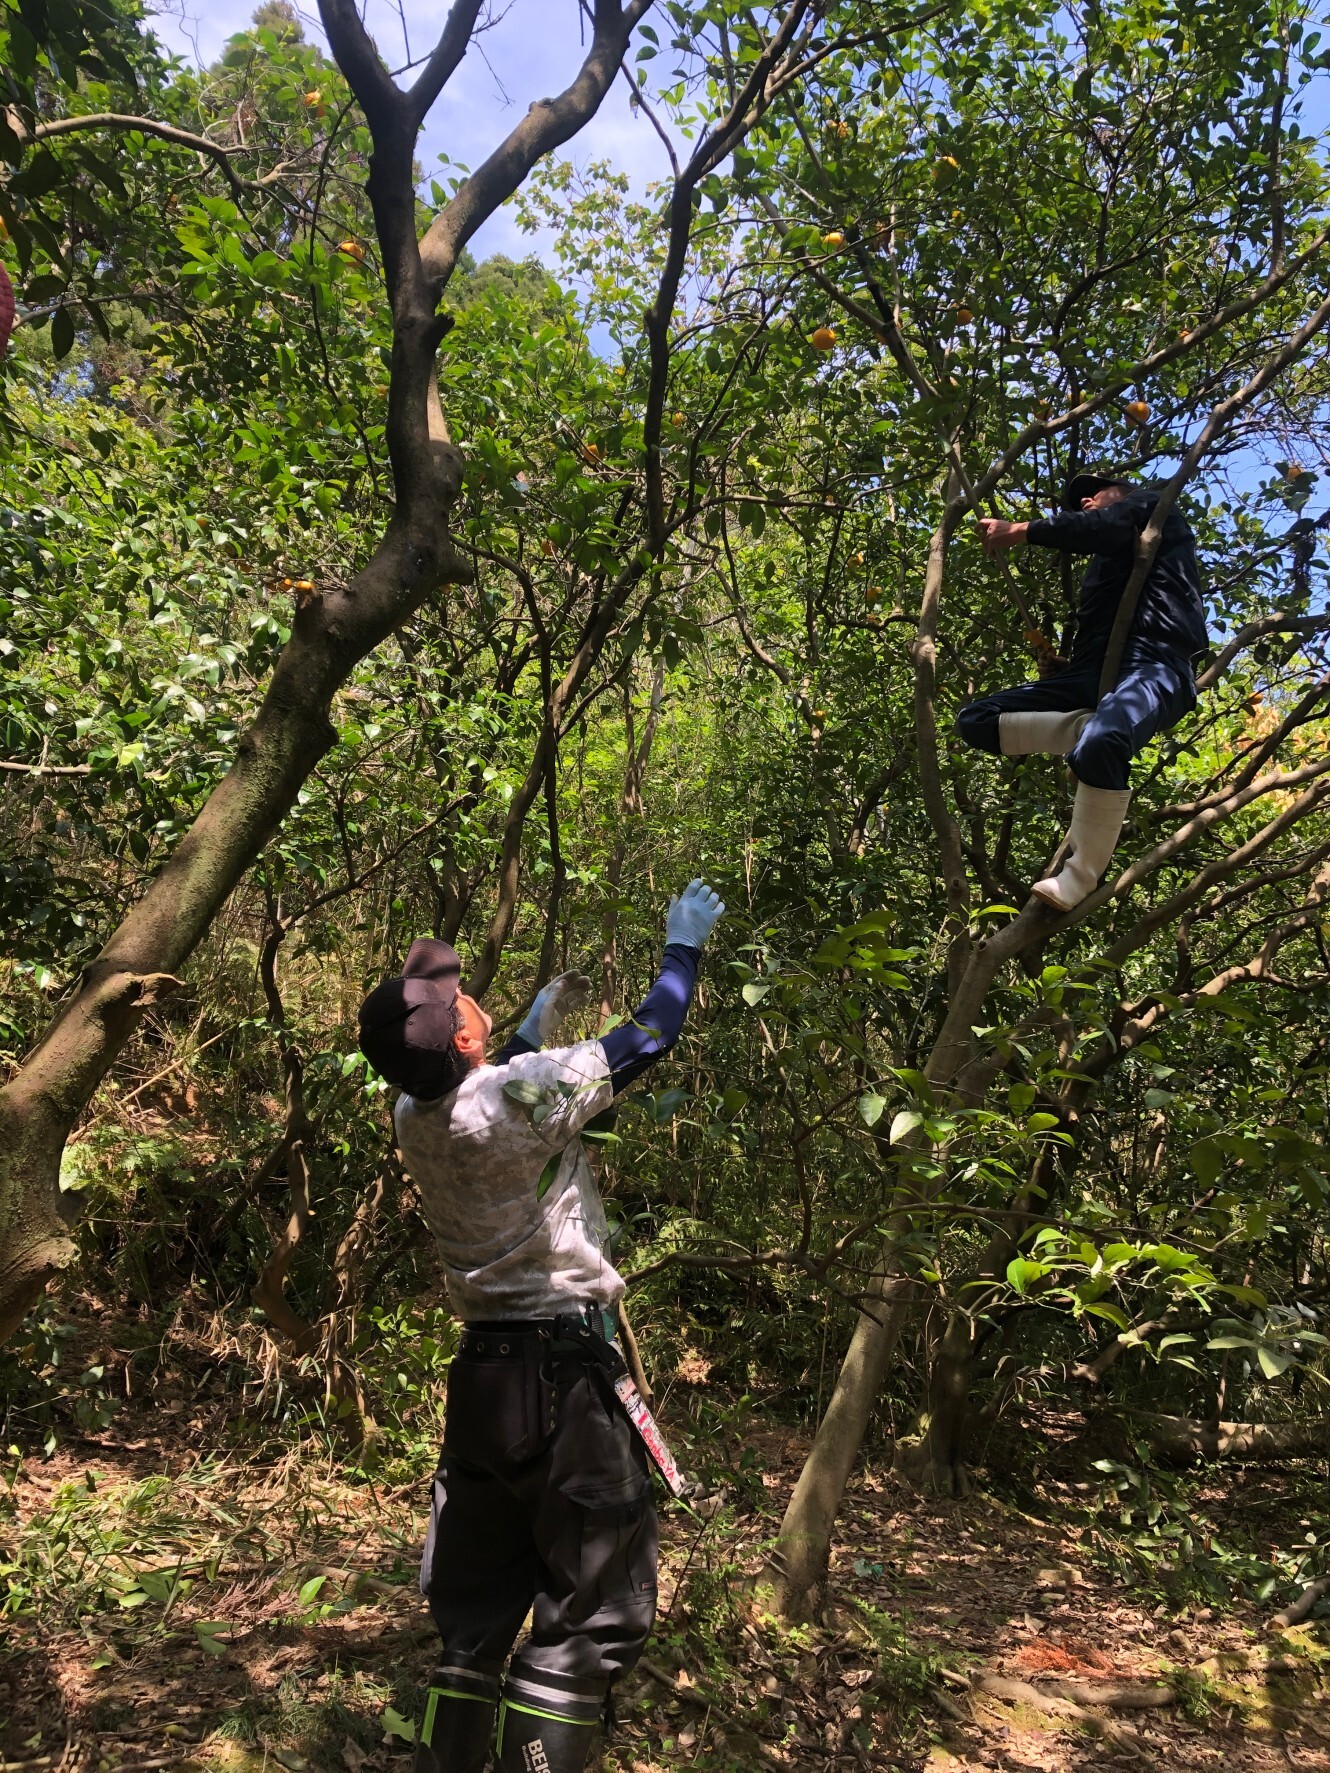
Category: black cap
[1085,486]
[408,1025]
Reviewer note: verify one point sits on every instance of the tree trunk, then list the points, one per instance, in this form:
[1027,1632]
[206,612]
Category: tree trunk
[1177,1440]
[933,1458]
[797,1570]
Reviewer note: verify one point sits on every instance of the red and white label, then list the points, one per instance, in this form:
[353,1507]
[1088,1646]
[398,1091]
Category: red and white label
[652,1439]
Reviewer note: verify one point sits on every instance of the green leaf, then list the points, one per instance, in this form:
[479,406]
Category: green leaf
[755,990]
[396,1725]
[521,1089]
[904,1123]
[62,333]
[1111,1313]
[870,1108]
[310,1589]
[548,1174]
[1021,1271]
[1272,1362]
[1207,1162]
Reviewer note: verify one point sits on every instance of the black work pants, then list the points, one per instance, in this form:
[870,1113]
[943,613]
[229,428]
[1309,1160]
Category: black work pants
[541,1502]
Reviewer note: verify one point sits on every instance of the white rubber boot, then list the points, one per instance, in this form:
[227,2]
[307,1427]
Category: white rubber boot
[1023,734]
[1096,824]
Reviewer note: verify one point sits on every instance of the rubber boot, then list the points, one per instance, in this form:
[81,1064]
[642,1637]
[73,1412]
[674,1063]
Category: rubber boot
[532,1741]
[1096,824]
[1024,733]
[455,1732]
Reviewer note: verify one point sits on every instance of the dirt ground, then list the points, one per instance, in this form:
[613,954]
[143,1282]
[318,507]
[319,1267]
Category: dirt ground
[181,1609]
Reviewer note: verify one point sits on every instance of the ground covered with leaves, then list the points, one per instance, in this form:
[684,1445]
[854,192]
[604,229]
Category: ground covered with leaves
[176,1595]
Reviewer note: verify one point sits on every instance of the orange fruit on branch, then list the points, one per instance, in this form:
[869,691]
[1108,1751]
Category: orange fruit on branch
[824,338]
[1138,411]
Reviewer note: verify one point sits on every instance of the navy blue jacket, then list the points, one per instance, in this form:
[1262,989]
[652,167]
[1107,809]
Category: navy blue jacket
[1170,617]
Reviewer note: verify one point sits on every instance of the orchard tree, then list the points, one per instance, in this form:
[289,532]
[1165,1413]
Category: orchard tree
[331,631]
[1095,238]
[341,618]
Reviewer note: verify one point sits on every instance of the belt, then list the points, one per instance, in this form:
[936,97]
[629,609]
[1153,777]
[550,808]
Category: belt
[581,1335]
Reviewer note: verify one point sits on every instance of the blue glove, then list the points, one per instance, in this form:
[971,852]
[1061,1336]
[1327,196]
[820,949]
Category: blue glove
[553,1002]
[693,915]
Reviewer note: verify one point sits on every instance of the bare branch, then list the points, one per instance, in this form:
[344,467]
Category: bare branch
[454,40]
[1275,623]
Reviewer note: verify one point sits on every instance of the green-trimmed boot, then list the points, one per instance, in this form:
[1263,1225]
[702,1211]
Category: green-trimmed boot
[534,1738]
[455,1732]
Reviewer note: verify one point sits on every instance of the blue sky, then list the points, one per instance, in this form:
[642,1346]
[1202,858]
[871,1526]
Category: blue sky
[533,49]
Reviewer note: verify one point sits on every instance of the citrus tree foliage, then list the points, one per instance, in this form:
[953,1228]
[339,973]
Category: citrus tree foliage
[727,599]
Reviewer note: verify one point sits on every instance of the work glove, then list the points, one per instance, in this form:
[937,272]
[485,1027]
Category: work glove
[569,991]
[693,915]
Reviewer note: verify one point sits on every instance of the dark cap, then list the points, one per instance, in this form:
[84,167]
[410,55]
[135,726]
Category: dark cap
[1085,486]
[408,1025]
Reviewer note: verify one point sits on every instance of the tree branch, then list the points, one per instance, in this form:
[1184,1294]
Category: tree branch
[548,124]
[115,120]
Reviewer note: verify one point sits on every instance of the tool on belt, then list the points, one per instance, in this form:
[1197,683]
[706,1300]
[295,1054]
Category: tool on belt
[592,1343]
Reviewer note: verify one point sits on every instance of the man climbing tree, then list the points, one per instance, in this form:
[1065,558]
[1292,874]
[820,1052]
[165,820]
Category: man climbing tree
[542,1497]
[1069,711]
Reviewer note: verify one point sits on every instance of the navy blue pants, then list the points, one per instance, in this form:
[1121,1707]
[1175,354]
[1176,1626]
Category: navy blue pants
[1153,693]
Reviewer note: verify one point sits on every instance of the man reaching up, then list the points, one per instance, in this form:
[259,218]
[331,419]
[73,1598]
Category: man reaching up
[1156,686]
[542,1498]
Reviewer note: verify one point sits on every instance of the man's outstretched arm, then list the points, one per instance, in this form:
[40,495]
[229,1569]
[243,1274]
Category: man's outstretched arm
[1069,532]
[1089,532]
[657,1022]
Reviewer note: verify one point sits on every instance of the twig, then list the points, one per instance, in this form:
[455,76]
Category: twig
[41,769]
[705,1700]
[1298,1610]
